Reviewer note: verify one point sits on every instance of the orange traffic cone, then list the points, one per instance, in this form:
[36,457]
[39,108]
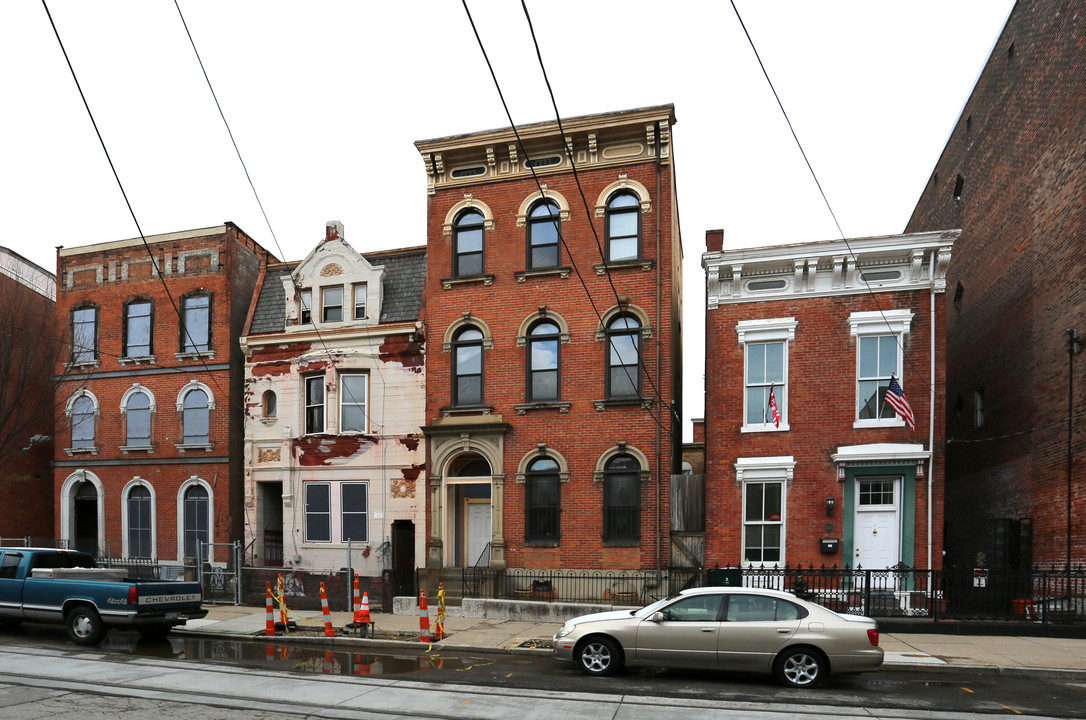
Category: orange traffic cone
[328,631]
[364,612]
[269,624]
[424,618]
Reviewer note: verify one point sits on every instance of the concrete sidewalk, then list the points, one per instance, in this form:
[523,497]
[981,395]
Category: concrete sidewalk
[1063,657]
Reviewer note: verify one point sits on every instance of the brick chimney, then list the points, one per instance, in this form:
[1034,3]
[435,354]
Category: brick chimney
[333,230]
[714,240]
[699,429]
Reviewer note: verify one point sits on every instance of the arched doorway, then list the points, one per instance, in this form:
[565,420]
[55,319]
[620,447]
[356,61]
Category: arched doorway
[85,517]
[468,511]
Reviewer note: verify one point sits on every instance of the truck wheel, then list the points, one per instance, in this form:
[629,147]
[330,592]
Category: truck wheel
[84,625]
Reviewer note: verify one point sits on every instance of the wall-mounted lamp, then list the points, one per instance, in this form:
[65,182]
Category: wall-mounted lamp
[830,502]
[840,473]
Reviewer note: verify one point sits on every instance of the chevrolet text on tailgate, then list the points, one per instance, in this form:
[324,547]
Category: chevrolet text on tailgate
[63,586]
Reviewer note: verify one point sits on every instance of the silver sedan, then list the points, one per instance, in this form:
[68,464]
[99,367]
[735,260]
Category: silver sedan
[746,629]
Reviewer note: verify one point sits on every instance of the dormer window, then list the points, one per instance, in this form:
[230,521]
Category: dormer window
[332,304]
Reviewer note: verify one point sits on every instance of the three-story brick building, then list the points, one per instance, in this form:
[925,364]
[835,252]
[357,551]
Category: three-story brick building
[552,306]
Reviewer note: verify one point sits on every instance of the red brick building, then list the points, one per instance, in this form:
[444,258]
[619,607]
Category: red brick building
[552,379]
[28,347]
[815,333]
[149,419]
[1013,177]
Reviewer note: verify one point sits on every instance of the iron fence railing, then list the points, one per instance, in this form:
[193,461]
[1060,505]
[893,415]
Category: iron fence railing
[1044,595]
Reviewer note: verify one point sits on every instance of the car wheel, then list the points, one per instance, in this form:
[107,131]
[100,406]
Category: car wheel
[599,656]
[84,625]
[800,667]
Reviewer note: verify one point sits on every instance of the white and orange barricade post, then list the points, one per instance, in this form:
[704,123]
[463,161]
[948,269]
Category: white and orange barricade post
[283,605]
[357,605]
[364,616]
[424,618]
[328,631]
[269,624]
[439,625]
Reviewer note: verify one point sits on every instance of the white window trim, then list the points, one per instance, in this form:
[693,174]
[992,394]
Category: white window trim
[181,517]
[765,470]
[365,402]
[341,512]
[305,405]
[305,512]
[879,324]
[133,483]
[355,288]
[767,331]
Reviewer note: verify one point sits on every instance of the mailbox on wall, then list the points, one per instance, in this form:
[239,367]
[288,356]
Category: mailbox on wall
[830,545]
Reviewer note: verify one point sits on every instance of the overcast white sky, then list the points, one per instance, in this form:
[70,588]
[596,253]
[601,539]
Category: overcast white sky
[325,100]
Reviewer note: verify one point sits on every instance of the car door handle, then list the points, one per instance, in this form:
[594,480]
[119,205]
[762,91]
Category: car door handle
[708,630]
[783,631]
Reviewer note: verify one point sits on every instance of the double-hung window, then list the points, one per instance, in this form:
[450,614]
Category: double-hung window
[332,304]
[305,306]
[139,522]
[879,340]
[137,329]
[196,522]
[196,323]
[468,244]
[765,483]
[467,348]
[543,347]
[196,418]
[543,235]
[359,301]
[314,404]
[84,334]
[352,402]
[83,413]
[137,418]
[623,358]
[623,227]
[765,372]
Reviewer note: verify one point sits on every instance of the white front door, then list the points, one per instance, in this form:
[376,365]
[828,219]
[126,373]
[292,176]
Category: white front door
[479,532]
[877,539]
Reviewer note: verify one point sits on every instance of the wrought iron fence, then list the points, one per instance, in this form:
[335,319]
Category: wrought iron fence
[1044,595]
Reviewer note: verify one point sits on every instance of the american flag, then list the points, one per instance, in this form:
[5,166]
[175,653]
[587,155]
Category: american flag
[773,408]
[896,397]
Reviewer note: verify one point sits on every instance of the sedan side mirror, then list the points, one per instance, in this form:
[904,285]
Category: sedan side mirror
[657,617]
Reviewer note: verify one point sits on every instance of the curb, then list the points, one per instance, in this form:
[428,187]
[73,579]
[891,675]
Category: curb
[1010,670]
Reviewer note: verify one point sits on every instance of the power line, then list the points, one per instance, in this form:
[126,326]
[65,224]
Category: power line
[822,192]
[539,185]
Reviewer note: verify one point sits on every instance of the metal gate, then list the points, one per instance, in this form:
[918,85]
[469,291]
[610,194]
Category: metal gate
[219,578]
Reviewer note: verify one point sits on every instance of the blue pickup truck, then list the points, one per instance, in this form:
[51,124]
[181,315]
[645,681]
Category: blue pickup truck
[63,586]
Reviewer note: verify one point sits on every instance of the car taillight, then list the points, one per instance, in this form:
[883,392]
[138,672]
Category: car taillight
[873,637]
[133,595]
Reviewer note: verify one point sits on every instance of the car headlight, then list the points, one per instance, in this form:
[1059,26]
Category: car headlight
[566,630]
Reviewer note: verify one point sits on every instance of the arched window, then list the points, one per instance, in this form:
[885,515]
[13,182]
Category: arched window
[468,244]
[624,357]
[195,419]
[622,499]
[467,372]
[623,227]
[139,513]
[543,235]
[137,415]
[543,377]
[83,422]
[541,501]
[196,323]
[267,404]
[196,521]
[137,329]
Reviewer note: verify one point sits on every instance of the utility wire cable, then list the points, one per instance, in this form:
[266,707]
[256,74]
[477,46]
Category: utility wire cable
[535,177]
[154,262]
[584,200]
